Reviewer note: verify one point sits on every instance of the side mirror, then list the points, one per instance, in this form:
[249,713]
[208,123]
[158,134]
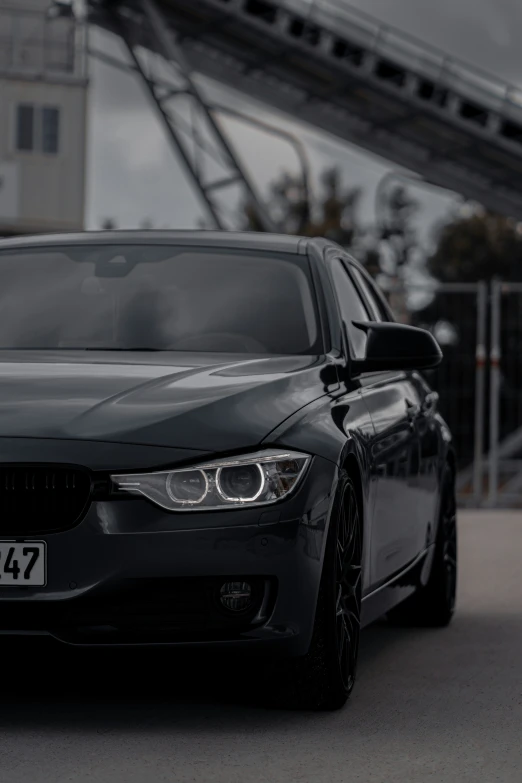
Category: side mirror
[392,346]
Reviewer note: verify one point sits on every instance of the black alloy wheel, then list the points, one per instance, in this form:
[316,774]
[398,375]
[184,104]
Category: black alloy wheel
[324,678]
[348,586]
[448,544]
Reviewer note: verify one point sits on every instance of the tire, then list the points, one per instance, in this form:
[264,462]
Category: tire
[324,678]
[434,604]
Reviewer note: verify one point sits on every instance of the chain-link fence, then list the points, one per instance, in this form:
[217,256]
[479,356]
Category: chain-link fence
[457,316]
[505,421]
[479,382]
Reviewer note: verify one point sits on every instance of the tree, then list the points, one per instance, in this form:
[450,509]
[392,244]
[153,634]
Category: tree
[396,229]
[335,215]
[474,246]
[332,214]
[108,224]
[477,247]
[398,243]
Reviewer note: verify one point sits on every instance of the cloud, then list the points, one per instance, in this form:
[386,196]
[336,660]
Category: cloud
[137,137]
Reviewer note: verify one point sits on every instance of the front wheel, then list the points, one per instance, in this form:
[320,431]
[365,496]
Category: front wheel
[325,676]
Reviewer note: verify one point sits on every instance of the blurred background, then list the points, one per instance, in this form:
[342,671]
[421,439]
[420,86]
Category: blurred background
[392,129]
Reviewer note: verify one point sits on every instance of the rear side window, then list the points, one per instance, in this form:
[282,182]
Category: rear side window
[373,295]
[377,308]
[363,286]
[352,308]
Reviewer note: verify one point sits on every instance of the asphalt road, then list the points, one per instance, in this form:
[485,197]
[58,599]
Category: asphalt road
[428,706]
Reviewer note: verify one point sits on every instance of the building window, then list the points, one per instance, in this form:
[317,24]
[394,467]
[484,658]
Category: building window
[38,129]
[25,128]
[50,129]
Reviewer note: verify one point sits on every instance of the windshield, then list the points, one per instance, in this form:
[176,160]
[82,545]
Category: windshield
[150,297]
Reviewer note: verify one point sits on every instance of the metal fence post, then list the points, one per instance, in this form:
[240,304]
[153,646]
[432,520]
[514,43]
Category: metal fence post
[494,402]
[480,390]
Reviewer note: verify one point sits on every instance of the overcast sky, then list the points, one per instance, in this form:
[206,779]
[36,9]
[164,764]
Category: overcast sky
[134,174]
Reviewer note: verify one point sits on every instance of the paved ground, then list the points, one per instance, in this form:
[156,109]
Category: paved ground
[428,706]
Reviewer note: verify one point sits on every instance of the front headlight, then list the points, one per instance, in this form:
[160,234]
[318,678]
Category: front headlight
[252,480]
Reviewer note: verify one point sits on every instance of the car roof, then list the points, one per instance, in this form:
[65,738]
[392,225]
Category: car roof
[244,240]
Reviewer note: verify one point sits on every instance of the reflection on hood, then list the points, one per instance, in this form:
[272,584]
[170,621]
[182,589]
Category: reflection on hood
[194,401]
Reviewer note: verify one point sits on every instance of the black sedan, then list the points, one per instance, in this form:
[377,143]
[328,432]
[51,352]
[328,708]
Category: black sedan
[217,439]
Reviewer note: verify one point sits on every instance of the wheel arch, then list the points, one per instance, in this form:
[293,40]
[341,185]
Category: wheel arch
[355,469]
[451,461]
[351,466]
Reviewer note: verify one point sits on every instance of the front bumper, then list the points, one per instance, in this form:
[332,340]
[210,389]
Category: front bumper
[131,573]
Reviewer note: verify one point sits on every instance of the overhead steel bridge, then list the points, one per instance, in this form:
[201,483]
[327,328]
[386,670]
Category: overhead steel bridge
[337,69]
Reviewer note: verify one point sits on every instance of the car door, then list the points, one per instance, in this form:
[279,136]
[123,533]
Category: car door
[392,444]
[428,432]
[423,409]
[394,404]
[352,308]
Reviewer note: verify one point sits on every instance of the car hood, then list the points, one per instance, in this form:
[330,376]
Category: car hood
[206,402]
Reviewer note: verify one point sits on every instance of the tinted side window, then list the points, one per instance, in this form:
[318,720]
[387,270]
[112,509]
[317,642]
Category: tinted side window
[373,294]
[25,127]
[50,129]
[368,294]
[352,308]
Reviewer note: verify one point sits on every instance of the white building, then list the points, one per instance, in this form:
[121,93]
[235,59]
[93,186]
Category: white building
[43,104]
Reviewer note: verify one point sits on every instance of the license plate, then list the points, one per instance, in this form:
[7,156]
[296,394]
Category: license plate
[22,564]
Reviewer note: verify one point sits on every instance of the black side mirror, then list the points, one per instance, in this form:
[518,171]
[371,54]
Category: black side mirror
[392,346]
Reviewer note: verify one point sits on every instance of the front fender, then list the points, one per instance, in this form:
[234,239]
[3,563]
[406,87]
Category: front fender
[339,430]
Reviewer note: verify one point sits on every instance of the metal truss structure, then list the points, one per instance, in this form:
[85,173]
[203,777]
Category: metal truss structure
[189,120]
[341,71]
